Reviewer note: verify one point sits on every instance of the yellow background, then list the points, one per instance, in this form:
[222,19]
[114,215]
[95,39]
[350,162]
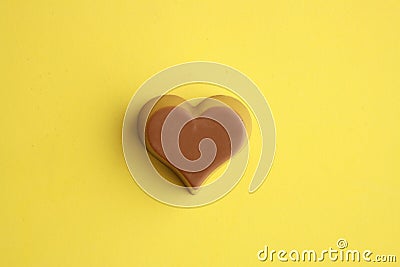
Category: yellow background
[329,70]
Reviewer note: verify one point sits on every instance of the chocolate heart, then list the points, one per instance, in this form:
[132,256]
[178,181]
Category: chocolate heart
[193,141]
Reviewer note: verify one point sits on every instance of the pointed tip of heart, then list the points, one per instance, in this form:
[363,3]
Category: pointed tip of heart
[193,190]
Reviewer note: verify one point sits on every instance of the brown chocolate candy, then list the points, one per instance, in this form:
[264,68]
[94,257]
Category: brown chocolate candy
[179,135]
